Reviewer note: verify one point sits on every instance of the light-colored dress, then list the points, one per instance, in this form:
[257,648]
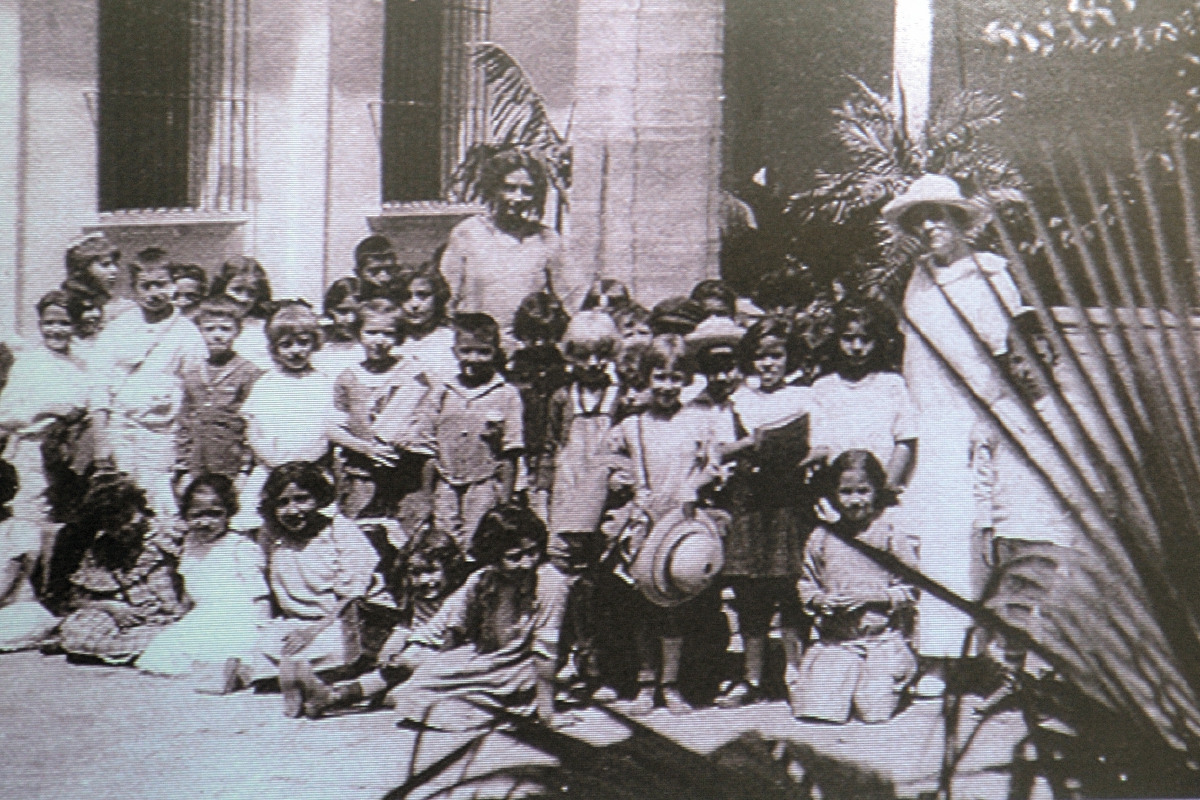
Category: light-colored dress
[141,368]
[24,622]
[229,594]
[872,413]
[288,418]
[939,503]
[310,584]
[475,654]
[252,344]
[432,353]
[41,386]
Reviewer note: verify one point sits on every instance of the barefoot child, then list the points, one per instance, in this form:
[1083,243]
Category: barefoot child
[862,661]
[314,570]
[223,578]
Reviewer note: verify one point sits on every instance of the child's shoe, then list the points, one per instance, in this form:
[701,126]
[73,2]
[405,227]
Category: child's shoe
[604,694]
[742,693]
[674,701]
[236,676]
[643,704]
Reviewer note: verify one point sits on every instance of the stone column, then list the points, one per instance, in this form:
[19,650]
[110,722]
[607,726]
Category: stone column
[10,164]
[913,60]
[290,84]
[646,137]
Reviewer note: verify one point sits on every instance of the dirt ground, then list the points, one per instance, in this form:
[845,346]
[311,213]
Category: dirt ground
[101,733]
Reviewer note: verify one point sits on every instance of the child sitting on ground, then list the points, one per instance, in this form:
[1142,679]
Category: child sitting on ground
[425,573]
[224,582]
[863,661]
[495,640]
[537,370]
[126,588]
[471,427]
[315,570]
[211,437]
[24,621]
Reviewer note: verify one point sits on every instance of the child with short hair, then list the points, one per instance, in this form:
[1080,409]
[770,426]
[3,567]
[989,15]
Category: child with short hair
[664,456]
[224,581]
[191,286]
[278,428]
[375,266]
[244,281]
[211,437]
[764,547]
[537,370]
[142,354]
[87,317]
[46,384]
[862,662]
[715,298]
[581,415]
[471,427]
[865,404]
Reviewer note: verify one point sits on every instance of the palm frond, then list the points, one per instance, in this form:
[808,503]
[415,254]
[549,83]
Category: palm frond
[518,114]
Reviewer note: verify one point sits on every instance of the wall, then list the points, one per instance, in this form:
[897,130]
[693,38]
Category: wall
[58,176]
[646,137]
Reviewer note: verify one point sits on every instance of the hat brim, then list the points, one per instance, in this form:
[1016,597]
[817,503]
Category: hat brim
[978,214]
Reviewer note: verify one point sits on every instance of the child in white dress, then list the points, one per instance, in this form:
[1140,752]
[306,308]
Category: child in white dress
[223,578]
[290,413]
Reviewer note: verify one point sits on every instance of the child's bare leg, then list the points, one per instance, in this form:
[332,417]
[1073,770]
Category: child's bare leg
[756,648]
[646,643]
[672,657]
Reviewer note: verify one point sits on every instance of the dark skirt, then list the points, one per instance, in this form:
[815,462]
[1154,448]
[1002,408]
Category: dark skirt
[766,542]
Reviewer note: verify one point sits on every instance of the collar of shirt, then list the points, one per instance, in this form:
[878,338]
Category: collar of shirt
[476,392]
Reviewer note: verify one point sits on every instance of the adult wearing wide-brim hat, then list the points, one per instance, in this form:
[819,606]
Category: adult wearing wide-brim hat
[958,310]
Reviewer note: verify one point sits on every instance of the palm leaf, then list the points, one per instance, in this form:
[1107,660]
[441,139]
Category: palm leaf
[517,110]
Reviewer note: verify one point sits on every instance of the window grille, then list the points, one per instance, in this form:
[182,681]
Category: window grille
[433,104]
[174,114]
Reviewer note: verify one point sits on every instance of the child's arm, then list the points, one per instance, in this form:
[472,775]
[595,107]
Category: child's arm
[899,464]
[506,472]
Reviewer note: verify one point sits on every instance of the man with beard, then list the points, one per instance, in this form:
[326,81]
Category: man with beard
[494,261]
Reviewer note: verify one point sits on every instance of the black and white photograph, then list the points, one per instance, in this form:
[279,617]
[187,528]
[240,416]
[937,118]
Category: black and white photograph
[599,399]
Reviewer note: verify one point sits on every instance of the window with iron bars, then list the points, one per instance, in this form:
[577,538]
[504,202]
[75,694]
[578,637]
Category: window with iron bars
[433,103]
[173,113]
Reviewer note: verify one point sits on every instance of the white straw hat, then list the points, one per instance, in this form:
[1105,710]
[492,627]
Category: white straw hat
[941,190]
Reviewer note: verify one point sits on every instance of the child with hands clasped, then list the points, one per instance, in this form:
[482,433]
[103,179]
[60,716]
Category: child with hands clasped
[863,660]
[470,426]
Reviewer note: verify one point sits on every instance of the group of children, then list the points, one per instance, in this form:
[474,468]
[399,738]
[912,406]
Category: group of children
[378,504]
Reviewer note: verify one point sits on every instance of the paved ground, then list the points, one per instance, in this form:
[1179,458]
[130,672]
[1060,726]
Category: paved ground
[96,733]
